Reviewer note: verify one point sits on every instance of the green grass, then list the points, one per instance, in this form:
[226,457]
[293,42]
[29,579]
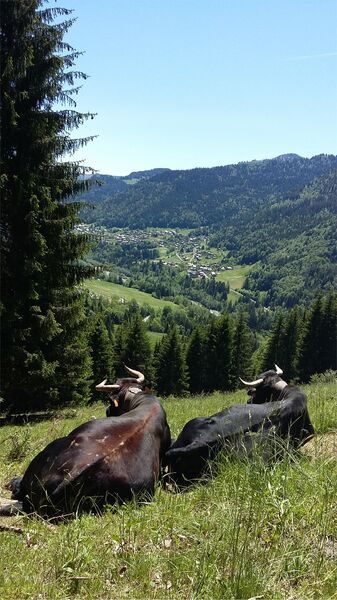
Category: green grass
[255,530]
[115,290]
[235,277]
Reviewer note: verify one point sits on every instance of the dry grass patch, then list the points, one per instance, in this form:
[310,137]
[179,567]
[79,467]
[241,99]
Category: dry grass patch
[322,446]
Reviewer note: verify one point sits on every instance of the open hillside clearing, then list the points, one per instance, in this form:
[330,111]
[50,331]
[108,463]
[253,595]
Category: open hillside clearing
[254,530]
[107,290]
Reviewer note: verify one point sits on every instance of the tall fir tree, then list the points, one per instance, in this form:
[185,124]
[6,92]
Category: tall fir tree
[218,358]
[171,370]
[318,350]
[195,360]
[329,329]
[45,359]
[242,350]
[101,350]
[135,348]
[291,339]
[274,350]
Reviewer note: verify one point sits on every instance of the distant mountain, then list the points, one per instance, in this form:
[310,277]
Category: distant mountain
[103,187]
[202,197]
[287,157]
[146,174]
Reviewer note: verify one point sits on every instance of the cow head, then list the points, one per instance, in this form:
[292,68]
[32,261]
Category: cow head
[266,387]
[121,392]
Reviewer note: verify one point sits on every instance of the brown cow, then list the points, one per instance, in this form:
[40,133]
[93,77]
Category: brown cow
[102,461]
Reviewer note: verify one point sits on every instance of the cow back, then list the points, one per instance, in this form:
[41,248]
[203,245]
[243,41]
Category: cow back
[103,460]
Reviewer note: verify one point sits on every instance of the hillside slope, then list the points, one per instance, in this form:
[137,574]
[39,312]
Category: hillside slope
[202,197]
[296,245]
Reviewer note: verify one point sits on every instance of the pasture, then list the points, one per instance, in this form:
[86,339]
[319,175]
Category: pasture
[254,530]
[108,290]
[234,277]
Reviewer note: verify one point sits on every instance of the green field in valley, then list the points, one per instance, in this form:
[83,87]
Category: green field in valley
[235,277]
[114,290]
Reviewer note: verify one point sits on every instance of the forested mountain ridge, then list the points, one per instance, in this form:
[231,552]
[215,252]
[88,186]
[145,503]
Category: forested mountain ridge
[295,242]
[106,186]
[202,196]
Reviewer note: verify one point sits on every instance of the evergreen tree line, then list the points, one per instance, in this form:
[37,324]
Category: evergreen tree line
[304,342]
[214,356]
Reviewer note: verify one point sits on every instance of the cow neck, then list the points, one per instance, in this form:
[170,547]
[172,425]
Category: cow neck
[137,399]
[282,390]
[129,397]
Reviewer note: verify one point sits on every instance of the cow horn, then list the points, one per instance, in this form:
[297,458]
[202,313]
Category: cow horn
[138,374]
[252,383]
[102,387]
[278,370]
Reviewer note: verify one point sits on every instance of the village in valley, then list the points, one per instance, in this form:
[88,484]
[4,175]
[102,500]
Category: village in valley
[184,248]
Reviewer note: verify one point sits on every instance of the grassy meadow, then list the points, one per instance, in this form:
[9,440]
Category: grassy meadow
[254,531]
[108,290]
[235,277]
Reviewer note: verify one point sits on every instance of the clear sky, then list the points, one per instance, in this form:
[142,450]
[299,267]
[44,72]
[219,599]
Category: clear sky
[201,83]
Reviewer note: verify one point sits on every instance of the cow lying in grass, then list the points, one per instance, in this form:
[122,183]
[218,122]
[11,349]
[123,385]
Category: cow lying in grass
[102,461]
[275,411]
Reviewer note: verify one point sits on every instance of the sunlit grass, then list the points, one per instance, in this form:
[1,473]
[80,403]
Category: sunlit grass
[107,290]
[235,277]
[254,530]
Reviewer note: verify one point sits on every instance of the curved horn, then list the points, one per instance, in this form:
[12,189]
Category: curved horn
[140,377]
[252,383]
[102,387]
[278,370]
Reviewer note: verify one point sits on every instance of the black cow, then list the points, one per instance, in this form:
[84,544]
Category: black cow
[275,410]
[102,461]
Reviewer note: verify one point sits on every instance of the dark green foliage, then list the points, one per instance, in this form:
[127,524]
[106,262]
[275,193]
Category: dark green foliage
[313,342]
[171,370]
[200,197]
[303,343]
[242,350]
[296,243]
[218,354]
[196,361]
[283,344]
[329,327]
[291,342]
[133,348]
[101,350]
[319,344]
[274,350]
[45,359]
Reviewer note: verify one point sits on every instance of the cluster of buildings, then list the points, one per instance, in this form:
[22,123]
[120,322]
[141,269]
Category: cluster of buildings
[188,249]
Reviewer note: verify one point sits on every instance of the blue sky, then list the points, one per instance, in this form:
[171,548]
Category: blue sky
[201,83]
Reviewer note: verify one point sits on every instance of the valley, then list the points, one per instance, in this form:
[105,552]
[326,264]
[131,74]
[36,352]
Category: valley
[264,230]
[185,252]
